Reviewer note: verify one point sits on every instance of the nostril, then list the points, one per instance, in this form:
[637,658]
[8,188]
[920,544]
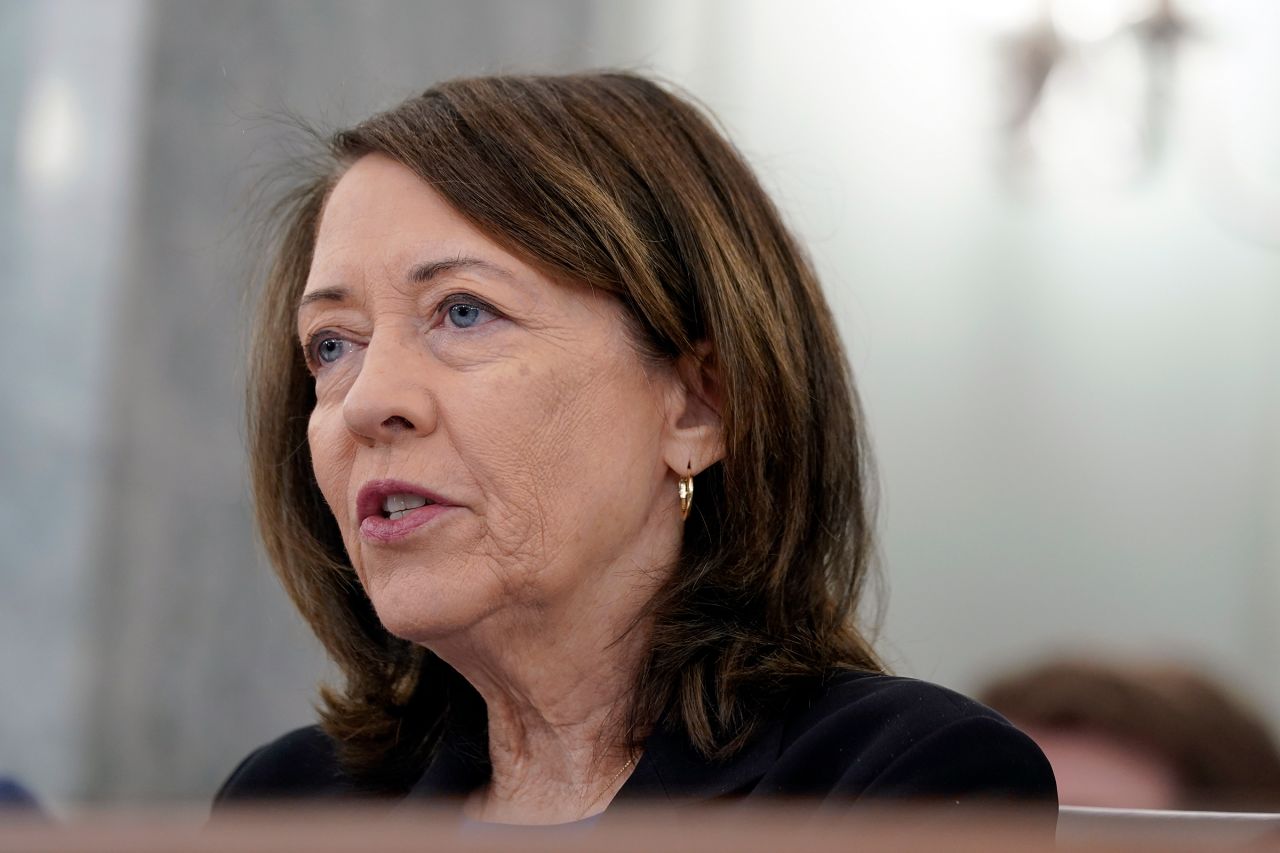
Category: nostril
[397,422]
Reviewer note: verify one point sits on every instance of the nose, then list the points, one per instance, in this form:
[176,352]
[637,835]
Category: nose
[390,398]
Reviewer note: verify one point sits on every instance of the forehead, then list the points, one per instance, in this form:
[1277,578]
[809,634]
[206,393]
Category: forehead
[382,215]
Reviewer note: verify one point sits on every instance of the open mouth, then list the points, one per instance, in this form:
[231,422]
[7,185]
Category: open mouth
[399,505]
[391,508]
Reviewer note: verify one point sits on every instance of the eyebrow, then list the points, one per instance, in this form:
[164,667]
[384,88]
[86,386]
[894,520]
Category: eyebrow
[419,274]
[423,273]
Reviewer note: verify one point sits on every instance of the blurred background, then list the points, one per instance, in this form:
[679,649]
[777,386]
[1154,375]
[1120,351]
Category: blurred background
[1050,230]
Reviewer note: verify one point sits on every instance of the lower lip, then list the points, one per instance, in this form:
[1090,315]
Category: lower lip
[379,529]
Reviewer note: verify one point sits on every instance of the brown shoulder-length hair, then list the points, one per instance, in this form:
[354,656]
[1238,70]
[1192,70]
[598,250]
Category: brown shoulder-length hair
[611,180]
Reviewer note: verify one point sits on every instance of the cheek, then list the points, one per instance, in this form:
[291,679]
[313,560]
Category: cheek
[567,452]
[331,459]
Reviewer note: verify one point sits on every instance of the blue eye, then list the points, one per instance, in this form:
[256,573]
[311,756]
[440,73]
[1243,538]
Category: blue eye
[326,350]
[464,315]
[330,350]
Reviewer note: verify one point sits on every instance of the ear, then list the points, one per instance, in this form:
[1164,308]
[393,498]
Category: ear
[694,434]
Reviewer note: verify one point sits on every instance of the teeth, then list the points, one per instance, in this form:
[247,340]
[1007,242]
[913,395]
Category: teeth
[400,513]
[397,505]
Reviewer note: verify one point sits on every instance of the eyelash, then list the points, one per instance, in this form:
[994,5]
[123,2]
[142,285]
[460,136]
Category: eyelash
[316,338]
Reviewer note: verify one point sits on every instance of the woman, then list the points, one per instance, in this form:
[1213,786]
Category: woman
[585,511]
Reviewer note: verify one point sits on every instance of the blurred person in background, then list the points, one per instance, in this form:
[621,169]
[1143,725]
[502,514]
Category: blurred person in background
[510,324]
[1143,736]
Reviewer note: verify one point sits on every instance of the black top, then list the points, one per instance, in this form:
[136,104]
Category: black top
[858,737]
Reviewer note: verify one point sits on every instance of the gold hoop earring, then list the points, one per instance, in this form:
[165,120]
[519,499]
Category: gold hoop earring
[686,493]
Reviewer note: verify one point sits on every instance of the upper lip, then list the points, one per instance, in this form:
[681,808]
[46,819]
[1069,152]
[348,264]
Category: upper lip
[373,493]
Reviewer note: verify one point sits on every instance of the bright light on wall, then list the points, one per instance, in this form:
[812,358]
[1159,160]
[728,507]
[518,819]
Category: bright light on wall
[1094,20]
[1004,16]
[50,136]
[1077,20]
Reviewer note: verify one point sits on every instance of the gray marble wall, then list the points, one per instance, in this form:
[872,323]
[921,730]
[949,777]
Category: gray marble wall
[71,78]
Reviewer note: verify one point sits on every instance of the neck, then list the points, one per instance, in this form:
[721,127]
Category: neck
[557,685]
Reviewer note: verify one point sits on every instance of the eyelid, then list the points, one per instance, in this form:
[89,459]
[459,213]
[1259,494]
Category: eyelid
[463,298]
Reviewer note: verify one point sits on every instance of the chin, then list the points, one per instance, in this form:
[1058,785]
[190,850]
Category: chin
[425,609]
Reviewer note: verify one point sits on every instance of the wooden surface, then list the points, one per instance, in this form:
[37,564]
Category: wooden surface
[673,829]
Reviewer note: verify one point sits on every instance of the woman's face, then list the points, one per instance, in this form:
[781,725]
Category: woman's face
[448,371]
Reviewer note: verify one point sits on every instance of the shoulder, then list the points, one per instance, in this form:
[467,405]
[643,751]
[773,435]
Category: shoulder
[865,735]
[300,764]
[902,707]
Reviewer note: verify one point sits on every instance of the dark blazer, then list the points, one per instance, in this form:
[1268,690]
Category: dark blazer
[858,737]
